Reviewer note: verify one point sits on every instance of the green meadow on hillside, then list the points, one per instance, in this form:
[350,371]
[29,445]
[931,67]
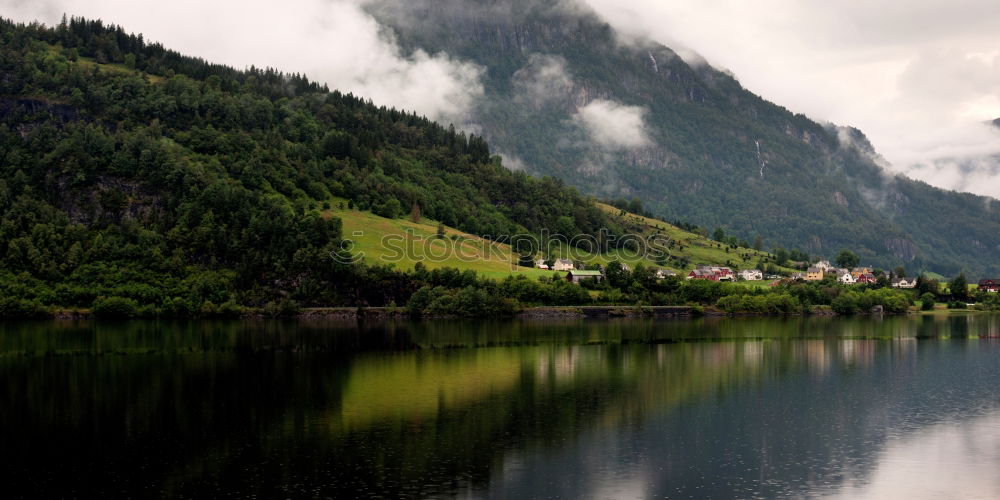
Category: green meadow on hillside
[89,63]
[687,247]
[402,243]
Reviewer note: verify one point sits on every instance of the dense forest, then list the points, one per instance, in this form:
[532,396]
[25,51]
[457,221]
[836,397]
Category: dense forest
[132,176]
[137,182]
[717,155]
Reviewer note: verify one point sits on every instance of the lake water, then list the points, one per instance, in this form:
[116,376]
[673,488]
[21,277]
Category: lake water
[719,408]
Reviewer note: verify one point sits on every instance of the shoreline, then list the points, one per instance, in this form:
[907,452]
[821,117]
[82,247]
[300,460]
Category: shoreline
[541,312]
[535,313]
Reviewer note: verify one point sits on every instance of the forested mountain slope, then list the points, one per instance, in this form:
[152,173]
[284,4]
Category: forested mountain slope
[129,170]
[709,151]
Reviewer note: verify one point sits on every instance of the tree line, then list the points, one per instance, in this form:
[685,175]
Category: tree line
[178,187]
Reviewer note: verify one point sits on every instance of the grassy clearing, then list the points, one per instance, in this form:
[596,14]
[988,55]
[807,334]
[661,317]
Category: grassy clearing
[695,248]
[89,63]
[934,276]
[403,243]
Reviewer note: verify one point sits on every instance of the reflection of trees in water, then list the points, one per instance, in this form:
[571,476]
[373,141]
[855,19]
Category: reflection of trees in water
[117,406]
[183,337]
[261,408]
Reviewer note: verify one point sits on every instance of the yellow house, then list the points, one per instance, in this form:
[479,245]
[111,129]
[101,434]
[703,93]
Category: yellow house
[814,274]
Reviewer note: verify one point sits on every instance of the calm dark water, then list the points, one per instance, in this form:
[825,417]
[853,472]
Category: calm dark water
[717,408]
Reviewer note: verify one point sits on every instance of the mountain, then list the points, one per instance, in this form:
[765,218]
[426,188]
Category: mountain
[140,182]
[567,96]
[131,171]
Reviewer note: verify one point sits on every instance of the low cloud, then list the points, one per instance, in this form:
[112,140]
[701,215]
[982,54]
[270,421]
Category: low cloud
[919,77]
[542,80]
[613,125]
[331,41]
[513,162]
[974,175]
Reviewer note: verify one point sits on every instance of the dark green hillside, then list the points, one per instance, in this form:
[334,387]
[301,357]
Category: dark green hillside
[127,170]
[811,186]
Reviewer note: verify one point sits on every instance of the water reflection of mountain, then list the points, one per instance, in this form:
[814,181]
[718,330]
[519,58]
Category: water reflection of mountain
[416,409]
[912,466]
[790,430]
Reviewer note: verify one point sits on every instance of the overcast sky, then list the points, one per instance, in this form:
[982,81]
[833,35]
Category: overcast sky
[331,41]
[917,76]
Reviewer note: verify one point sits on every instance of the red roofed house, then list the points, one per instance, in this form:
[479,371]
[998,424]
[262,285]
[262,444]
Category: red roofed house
[867,278]
[702,274]
[989,285]
[724,273]
[712,273]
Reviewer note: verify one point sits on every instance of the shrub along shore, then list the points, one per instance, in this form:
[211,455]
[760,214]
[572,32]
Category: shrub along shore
[452,293]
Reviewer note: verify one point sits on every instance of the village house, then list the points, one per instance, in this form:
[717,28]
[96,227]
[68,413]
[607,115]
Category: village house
[712,273]
[865,278]
[798,276]
[540,264]
[575,275]
[989,285]
[751,275]
[846,278]
[724,273]
[663,273]
[824,265]
[905,283]
[814,274]
[702,274]
[858,271]
[563,265]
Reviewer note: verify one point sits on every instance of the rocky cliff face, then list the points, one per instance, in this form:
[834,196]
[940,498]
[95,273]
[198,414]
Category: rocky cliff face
[565,96]
[25,110]
[109,199]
